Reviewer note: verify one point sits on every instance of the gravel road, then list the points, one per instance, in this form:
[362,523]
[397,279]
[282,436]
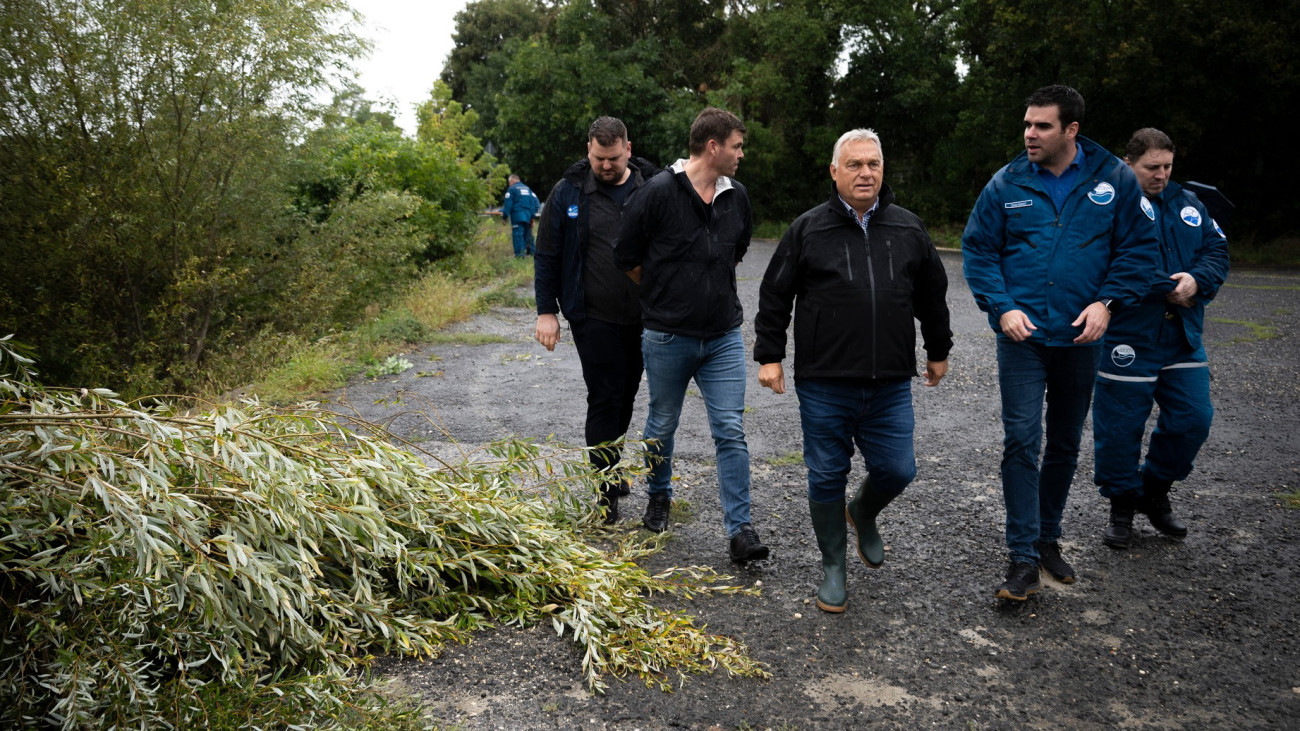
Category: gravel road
[1170,634]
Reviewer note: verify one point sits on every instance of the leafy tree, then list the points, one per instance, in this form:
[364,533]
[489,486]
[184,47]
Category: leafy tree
[901,80]
[445,121]
[557,83]
[141,171]
[486,32]
[345,164]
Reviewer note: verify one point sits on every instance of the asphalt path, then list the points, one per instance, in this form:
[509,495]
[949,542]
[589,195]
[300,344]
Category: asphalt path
[1169,634]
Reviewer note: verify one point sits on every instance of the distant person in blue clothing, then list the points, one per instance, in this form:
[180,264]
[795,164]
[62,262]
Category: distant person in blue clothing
[1059,239]
[1153,353]
[519,207]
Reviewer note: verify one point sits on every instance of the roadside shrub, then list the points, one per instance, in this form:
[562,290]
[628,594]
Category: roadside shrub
[162,558]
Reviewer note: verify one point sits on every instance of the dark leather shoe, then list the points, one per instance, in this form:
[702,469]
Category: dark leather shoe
[1119,534]
[1049,560]
[656,512]
[745,545]
[1022,580]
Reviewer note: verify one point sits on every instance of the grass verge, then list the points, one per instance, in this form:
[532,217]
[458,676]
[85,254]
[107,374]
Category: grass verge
[486,275]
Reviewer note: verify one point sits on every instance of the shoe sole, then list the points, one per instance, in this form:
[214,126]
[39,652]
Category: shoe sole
[1121,545]
[1068,579]
[757,555]
[1006,594]
[829,608]
[652,529]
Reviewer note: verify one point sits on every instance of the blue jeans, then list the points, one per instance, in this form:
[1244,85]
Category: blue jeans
[521,234]
[718,367]
[1035,495]
[835,415]
[1171,375]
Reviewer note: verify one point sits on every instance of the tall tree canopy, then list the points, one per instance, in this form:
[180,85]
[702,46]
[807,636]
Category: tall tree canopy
[942,81]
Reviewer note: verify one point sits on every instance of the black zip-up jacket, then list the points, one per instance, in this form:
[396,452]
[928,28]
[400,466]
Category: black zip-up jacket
[562,238]
[854,296]
[687,252]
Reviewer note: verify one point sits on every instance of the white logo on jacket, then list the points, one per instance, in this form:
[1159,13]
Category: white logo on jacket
[1123,356]
[1103,194]
[1190,216]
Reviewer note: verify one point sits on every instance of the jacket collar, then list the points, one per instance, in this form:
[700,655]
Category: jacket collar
[722,183]
[885,200]
[1097,162]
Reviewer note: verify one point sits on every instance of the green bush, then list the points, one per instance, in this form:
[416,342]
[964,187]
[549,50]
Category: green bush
[162,559]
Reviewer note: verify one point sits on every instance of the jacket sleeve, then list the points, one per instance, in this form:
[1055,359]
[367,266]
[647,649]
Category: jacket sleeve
[1210,265]
[507,204]
[747,232]
[981,253]
[930,303]
[1134,244]
[548,260]
[635,228]
[776,297]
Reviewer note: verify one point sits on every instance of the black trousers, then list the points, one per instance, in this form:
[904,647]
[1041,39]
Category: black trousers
[612,367]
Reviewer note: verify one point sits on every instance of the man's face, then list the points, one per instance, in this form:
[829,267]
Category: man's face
[1046,142]
[727,158]
[1152,170]
[608,162]
[858,173]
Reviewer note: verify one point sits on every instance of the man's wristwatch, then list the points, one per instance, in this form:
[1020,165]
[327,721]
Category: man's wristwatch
[1110,305]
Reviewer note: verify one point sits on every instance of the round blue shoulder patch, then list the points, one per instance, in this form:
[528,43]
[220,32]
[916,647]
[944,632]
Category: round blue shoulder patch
[573,211]
[1190,216]
[1147,209]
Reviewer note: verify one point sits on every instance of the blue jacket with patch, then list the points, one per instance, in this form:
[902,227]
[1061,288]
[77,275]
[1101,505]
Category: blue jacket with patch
[1190,241]
[520,203]
[1018,253]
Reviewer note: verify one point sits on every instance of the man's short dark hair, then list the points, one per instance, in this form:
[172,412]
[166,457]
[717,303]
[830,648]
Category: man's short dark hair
[1068,102]
[713,124]
[607,131]
[1144,140]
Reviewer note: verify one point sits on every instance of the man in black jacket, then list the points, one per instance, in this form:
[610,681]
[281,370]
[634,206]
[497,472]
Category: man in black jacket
[859,269]
[681,238]
[574,273]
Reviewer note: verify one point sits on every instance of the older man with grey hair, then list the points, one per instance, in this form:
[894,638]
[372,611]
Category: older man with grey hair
[855,270]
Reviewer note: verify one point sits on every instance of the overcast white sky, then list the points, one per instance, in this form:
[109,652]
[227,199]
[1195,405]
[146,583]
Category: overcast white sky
[412,39]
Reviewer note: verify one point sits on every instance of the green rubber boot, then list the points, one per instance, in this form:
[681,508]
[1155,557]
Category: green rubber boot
[862,511]
[832,539]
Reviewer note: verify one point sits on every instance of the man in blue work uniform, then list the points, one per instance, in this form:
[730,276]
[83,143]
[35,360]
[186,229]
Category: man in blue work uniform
[519,207]
[1153,353]
[1058,239]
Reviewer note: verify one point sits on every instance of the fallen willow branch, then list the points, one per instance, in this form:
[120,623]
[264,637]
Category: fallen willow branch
[151,556]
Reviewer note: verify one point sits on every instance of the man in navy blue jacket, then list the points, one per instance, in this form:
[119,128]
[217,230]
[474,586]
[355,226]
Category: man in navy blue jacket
[1058,239]
[1153,354]
[519,207]
[575,274]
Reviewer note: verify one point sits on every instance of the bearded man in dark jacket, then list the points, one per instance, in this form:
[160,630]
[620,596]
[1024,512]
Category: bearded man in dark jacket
[574,273]
[856,270]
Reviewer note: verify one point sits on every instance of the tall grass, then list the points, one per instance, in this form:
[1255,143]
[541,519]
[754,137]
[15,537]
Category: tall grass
[286,369]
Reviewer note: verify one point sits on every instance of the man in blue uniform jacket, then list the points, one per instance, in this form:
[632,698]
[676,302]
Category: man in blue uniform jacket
[519,207]
[1153,353]
[1058,239]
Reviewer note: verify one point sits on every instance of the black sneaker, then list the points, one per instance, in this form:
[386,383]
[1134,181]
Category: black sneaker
[1022,580]
[745,545]
[656,512]
[1049,559]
